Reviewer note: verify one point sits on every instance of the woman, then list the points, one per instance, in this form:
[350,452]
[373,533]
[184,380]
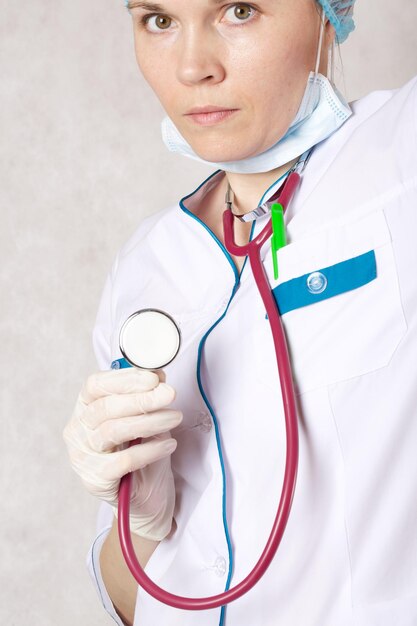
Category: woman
[232,79]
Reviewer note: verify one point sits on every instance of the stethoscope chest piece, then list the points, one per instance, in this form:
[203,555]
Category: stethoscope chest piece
[149,339]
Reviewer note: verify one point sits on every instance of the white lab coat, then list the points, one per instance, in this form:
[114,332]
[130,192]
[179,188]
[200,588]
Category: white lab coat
[349,553]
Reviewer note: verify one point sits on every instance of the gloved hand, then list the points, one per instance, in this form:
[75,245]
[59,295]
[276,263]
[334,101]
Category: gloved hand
[113,408]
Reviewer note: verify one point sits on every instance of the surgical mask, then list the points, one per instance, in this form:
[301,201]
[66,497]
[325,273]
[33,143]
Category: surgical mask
[322,111]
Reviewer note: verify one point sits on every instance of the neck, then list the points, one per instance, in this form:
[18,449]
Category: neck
[248,189]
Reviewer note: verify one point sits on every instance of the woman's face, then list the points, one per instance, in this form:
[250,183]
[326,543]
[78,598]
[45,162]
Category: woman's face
[248,62]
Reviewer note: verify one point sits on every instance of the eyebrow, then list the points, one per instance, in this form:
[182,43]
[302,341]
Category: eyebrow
[150,6]
[145,5]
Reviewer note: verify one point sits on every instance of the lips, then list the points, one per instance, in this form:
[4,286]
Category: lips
[208,115]
[208,109]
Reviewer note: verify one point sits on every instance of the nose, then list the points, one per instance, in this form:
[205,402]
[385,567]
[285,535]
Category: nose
[199,59]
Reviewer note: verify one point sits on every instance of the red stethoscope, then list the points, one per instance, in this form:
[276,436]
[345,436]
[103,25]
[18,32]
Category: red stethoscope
[171,336]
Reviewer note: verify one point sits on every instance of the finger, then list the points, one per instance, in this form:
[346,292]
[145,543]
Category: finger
[125,405]
[137,457]
[117,431]
[126,380]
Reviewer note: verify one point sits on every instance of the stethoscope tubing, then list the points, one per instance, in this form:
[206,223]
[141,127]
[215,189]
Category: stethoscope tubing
[253,250]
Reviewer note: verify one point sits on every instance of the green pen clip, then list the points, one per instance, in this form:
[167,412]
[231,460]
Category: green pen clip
[278,239]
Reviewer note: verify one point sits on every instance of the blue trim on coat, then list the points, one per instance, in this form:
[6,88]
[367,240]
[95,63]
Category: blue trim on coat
[200,349]
[216,426]
[184,208]
[219,449]
[223,248]
[120,364]
[326,282]
[200,385]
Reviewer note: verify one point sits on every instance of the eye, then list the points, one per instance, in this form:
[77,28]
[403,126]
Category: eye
[155,23]
[239,13]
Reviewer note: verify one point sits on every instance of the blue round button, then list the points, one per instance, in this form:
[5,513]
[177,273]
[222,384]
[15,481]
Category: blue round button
[316,282]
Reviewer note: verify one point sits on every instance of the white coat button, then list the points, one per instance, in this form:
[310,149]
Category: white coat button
[316,282]
[205,422]
[220,566]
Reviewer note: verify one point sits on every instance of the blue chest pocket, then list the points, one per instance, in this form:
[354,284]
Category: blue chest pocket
[326,282]
[358,320]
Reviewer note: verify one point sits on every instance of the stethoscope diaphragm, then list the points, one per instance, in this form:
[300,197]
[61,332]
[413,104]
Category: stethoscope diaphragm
[149,339]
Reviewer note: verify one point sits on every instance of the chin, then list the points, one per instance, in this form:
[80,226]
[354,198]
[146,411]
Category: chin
[221,153]
[223,147]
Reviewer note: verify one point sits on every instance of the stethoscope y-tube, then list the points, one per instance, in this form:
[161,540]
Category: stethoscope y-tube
[253,250]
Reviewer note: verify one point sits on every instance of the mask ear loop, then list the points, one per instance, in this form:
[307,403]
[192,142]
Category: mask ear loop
[313,92]
[330,53]
[316,71]
[330,64]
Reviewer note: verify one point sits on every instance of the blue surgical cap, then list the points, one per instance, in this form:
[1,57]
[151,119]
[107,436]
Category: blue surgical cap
[339,13]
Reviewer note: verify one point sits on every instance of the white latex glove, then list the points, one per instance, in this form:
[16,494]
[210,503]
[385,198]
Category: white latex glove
[113,408]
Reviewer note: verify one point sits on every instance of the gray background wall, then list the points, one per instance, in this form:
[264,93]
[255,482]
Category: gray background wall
[79,141]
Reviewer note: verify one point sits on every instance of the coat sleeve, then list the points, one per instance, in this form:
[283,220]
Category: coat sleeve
[101,338]
[104,524]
